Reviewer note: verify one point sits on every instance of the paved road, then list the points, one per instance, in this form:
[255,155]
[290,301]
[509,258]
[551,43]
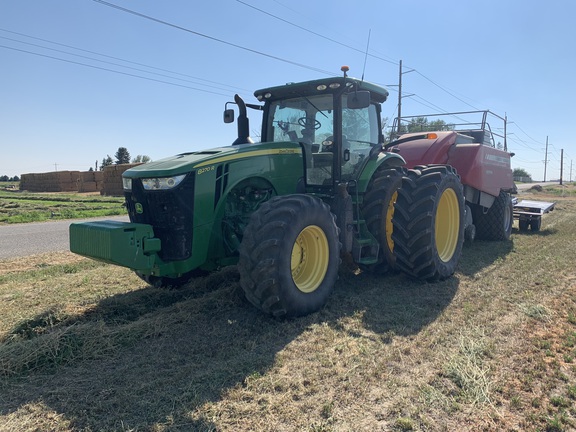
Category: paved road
[18,240]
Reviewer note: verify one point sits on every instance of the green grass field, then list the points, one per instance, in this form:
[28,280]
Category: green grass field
[19,207]
[86,346]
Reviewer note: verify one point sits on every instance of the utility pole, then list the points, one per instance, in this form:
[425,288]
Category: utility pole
[399,97]
[55,167]
[570,170]
[545,159]
[398,130]
[561,164]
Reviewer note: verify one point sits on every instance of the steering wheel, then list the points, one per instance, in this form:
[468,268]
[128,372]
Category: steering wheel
[307,122]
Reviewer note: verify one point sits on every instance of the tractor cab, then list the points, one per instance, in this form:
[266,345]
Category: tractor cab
[336,121]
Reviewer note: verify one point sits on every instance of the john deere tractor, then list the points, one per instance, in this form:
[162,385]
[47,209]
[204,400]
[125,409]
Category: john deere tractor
[317,187]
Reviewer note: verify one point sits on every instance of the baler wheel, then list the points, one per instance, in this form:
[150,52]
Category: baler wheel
[429,223]
[289,256]
[496,223]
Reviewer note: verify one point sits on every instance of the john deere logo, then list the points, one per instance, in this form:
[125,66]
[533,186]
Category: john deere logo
[139,208]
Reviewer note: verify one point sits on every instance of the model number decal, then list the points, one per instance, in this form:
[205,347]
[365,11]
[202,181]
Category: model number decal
[205,170]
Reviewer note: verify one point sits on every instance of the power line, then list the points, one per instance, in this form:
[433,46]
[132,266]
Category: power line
[314,33]
[442,88]
[121,59]
[521,142]
[522,130]
[112,70]
[111,63]
[148,17]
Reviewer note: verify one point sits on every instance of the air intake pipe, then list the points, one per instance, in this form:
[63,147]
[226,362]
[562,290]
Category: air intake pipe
[243,123]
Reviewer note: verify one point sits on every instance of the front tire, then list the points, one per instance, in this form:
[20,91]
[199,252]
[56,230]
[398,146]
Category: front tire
[429,223]
[289,256]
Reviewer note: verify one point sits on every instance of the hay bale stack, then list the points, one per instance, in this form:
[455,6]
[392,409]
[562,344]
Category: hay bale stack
[91,181]
[57,181]
[112,184]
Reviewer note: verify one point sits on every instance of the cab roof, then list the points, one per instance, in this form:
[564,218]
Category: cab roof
[319,86]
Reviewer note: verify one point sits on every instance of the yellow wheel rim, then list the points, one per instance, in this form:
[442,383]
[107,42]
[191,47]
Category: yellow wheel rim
[447,225]
[310,256]
[389,226]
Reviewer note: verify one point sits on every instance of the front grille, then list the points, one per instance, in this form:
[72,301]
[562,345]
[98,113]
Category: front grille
[170,212]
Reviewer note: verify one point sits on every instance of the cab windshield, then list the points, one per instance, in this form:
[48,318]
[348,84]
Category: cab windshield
[304,119]
[310,121]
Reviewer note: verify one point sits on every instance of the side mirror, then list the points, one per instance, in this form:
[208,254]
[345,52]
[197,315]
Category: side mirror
[358,99]
[229,116]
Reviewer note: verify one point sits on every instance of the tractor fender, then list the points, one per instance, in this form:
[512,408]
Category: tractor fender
[383,159]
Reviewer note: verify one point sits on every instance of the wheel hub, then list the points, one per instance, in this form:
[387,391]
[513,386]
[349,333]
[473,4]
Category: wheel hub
[447,225]
[309,260]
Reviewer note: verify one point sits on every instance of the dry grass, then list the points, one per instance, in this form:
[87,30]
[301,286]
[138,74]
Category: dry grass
[88,347]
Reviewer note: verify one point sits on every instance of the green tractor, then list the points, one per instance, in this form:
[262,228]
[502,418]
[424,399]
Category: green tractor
[318,187]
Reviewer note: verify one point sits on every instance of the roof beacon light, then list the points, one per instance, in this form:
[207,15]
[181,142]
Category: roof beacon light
[345,69]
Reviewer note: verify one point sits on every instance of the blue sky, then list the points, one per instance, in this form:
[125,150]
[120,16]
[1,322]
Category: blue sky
[80,78]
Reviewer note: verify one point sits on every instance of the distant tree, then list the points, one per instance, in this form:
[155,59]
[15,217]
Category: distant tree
[521,172]
[122,156]
[141,159]
[91,169]
[105,162]
[421,124]
[4,178]
[15,178]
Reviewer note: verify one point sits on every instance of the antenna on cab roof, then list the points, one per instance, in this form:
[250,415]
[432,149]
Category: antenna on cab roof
[366,54]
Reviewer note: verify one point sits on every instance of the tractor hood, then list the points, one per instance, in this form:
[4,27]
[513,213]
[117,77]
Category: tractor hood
[175,165]
[186,162]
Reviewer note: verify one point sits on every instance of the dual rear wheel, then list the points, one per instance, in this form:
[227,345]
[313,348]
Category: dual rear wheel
[429,222]
[290,253]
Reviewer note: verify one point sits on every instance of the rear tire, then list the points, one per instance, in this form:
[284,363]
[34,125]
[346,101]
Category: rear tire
[378,211]
[289,256]
[429,223]
[496,223]
[523,225]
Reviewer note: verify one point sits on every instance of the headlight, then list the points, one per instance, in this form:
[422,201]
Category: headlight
[127,183]
[162,183]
